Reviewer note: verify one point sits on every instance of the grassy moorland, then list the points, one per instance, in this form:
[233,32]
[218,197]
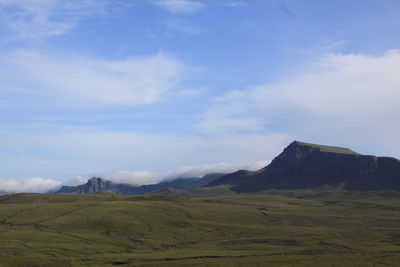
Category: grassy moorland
[274,229]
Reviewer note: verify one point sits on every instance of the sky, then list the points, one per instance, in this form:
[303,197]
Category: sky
[140,90]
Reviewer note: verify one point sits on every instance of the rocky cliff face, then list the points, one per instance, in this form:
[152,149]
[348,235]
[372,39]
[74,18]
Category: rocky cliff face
[93,185]
[302,165]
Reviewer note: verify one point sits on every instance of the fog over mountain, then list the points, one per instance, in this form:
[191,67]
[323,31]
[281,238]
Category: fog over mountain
[134,178]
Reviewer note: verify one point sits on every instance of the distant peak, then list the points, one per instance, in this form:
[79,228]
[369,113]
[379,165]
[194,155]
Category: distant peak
[323,148]
[96,180]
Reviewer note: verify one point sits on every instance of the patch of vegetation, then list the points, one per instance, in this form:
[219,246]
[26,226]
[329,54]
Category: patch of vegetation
[297,228]
[331,149]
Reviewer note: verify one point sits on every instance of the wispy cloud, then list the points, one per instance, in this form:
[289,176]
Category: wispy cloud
[233,112]
[339,97]
[180,6]
[246,25]
[38,19]
[235,3]
[84,82]
[184,26]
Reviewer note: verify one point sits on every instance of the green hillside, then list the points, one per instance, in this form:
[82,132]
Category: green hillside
[331,149]
[299,229]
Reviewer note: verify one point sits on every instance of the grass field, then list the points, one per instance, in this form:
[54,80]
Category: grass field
[274,229]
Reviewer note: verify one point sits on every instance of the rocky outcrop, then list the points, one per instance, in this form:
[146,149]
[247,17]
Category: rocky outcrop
[302,165]
[93,185]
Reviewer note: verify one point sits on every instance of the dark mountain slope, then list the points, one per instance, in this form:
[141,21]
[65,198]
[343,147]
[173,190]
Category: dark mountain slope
[302,165]
[94,185]
[100,185]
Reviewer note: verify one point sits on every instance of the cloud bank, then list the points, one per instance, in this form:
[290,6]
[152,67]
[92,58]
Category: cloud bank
[31,185]
[41,185]
[145,177]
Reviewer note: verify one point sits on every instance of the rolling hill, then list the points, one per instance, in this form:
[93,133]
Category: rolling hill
[106,229]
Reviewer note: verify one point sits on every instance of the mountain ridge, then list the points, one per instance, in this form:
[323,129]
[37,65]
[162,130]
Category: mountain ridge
[303,165]
[96,184]
[300,165]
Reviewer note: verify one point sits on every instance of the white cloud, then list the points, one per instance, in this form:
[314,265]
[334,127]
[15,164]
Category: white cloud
[31,185]
[131,177]
[81,82]
[39,19]
[200,171]
[345,99]
[180,6]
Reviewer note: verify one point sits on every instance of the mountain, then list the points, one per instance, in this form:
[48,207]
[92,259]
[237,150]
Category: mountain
[303,165]
[95,184]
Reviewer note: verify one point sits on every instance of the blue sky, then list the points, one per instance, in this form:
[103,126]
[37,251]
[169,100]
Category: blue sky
[137,90]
